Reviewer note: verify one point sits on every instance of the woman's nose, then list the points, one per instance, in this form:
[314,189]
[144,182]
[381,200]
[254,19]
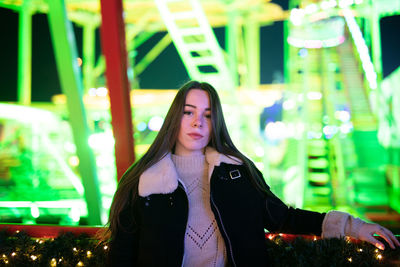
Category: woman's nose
[197,122]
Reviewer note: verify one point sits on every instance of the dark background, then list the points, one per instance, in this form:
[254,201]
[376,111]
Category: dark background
[165,72]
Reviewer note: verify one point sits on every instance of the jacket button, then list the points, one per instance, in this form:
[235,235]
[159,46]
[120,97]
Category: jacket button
[171,203]
[146,203]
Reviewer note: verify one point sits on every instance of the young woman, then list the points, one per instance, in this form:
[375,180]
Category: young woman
[194,200]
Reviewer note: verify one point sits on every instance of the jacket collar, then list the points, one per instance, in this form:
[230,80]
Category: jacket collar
[162,177]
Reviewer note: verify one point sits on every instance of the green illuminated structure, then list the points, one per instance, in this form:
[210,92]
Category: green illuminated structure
[333,73]
[336,144]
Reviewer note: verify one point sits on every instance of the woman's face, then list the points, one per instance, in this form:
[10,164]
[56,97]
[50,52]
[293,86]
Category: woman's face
[195,130]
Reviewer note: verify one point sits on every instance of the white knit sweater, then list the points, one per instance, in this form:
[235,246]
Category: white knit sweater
[204,245]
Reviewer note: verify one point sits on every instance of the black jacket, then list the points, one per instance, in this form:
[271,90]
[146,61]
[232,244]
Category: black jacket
[242,213]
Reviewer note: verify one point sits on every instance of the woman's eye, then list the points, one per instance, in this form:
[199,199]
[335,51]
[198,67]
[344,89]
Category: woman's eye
[208,116]
[187,113]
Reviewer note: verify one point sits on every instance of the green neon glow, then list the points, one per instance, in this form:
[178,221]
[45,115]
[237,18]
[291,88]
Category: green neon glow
[48,123]
[361,48]
[35,211]
[299,135]
[88,56]
[71,84]
[25,53]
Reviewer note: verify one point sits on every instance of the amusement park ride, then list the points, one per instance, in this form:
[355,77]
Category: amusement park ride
[329,137]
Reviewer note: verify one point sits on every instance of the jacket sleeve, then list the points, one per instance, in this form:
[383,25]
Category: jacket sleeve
[283,219]
[278,217]
[124,246]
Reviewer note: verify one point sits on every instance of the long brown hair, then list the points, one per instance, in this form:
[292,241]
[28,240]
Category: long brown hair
[127,191]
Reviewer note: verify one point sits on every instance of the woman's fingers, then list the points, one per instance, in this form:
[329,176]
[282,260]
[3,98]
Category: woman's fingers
[385,235]
[374,242]
[392,237]
[368,230]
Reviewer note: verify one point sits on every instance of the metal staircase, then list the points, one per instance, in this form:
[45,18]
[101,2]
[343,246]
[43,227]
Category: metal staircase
[319,191]
[362,116]
[312,150]
[319,187]
[370,188]
[195,41]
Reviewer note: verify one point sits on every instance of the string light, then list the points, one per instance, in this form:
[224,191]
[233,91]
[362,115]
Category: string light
[4,258]
[10,256]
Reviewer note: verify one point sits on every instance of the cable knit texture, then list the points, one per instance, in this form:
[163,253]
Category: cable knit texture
[340,224]
[204,245]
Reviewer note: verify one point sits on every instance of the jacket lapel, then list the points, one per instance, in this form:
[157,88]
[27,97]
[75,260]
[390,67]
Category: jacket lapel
[214,159]
[162,177]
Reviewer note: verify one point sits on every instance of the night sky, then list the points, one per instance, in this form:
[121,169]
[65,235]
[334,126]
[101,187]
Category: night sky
[167,70]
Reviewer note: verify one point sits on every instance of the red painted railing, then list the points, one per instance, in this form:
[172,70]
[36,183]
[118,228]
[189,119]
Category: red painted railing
[52,231]
[49,231]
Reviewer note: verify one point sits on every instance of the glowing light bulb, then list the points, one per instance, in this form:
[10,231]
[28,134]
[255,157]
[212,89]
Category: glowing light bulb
[311,8]
[101,91]
[73,161]
[155,123]
[259,151]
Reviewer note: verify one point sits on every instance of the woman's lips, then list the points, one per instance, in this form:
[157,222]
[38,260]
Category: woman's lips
[195,136]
